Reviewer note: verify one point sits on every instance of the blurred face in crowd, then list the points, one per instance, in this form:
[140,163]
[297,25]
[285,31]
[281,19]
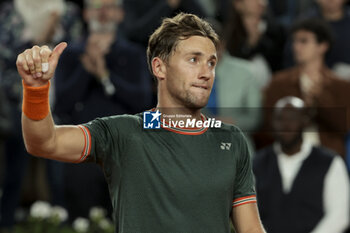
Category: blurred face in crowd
[306,48]
[288,125]
[188,75]
[103,15]
[331,5]
[250,7]
[37,23]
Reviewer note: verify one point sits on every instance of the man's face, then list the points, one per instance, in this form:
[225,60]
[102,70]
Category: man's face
[331,5]
[288,124]
[103,15]
[306,48]
[190,72]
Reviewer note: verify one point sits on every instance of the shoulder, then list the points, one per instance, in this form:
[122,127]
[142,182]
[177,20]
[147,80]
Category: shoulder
[228,61]
[324,153]
[285,75]
[123,121]
[123,45]
[237,136]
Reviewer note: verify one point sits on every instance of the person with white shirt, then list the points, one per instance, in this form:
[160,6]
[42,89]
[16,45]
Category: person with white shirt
[301,188]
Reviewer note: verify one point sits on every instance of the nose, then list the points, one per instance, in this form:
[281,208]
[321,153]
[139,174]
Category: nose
[207,72]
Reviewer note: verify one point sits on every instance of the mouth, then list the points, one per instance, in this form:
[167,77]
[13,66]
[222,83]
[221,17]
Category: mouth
[201,86]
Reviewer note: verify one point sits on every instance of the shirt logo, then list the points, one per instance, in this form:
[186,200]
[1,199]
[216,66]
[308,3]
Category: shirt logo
[225,146]
[151,120]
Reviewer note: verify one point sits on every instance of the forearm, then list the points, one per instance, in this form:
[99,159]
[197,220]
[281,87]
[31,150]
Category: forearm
[39,135]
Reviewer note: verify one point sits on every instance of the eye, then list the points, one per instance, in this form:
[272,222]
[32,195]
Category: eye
[212,63]
[193,59]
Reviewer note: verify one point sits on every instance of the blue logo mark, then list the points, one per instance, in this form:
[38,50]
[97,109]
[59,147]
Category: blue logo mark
[151,120]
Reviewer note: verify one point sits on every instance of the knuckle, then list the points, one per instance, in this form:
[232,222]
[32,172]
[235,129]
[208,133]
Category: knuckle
[30,64]
[36,60]
[45,53]
[35,47]
[19,62]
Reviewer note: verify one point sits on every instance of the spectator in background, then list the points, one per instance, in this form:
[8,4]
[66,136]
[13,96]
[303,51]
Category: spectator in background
[102,76]
[252,36]
[142,17]
[286,11]
[22,24]
[318,86]
[337,14]
[300,188]
[235,97]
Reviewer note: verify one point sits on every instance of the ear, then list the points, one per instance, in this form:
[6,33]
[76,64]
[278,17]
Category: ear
[120,15]
[159,68]
[324,47]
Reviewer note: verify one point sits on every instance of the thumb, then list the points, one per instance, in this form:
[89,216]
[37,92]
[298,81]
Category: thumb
[53,59]
[58,50]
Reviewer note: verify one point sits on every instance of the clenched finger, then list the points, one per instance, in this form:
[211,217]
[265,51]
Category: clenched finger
[30,62]
[37,60]
[45,53]
[22,63]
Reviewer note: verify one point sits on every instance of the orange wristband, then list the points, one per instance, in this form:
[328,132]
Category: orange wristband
[36,101]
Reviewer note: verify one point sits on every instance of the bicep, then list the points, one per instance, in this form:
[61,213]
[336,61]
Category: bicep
[246,219]
[70,142]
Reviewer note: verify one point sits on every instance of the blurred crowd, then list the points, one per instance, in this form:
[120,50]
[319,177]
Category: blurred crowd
[283,77]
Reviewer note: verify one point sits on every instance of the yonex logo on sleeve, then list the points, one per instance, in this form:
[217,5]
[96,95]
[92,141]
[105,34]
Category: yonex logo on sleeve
[225,146]
[151,120]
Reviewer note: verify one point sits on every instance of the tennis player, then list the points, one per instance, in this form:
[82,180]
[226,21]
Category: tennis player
[171,179]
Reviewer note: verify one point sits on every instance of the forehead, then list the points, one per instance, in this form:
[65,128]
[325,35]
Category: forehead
[304,34]
[196,44]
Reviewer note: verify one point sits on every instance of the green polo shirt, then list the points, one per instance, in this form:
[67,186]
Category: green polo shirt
[170,180]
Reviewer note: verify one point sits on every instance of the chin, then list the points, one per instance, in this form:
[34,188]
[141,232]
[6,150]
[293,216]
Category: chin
[196,102]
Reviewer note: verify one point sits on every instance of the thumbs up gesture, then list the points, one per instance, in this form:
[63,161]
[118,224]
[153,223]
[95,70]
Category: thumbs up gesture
[37,65]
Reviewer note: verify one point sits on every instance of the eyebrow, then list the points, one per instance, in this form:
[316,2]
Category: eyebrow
[201,54]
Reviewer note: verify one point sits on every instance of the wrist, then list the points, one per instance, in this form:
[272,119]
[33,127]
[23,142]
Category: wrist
[36,101]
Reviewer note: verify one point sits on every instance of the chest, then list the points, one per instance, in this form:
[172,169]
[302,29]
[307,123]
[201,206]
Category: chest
[181,165]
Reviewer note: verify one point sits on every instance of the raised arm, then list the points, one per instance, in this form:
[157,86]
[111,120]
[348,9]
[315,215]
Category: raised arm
[42,137]
[246,219]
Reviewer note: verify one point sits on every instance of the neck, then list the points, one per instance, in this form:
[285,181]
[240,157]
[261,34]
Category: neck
[291,150]
[180,113]
[312,68]
[251,19]
[168,106]
[333,16]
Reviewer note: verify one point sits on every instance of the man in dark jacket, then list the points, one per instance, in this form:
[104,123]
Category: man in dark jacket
[300,188]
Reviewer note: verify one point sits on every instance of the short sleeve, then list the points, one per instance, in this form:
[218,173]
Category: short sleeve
[100,141]
[244,185]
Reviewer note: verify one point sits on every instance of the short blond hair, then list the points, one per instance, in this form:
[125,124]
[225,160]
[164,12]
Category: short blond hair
[165,39]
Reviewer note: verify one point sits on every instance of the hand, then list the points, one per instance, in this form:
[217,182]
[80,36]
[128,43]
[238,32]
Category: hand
[50,29]
[96,49]
[29,64]
[174,3]
[95,65]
